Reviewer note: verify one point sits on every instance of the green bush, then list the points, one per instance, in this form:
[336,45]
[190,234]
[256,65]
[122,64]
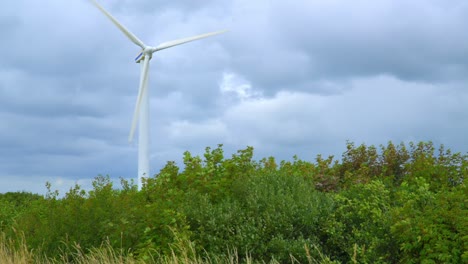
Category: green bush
[12,205]
[390,204]
[431,227]
[359,227]
[268,216]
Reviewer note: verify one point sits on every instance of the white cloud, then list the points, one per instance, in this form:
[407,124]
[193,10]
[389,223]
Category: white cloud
[232,84]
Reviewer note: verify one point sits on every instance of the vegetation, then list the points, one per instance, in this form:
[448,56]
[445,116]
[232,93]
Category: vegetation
[387,204]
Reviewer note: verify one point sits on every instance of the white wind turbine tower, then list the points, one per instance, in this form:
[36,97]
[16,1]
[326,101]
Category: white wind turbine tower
[142,104]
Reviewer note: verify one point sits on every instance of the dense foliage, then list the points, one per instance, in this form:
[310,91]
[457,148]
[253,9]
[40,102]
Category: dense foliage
[391,204]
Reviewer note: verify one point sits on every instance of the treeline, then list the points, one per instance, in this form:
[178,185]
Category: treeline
[387,204]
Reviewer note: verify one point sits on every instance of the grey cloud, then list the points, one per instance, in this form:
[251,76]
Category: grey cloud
[297,42]
[62,147]
[417,40]
[372,111]
[160,6]
[22,93]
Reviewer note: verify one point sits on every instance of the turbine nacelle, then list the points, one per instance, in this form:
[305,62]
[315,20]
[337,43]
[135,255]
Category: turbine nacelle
[147,51]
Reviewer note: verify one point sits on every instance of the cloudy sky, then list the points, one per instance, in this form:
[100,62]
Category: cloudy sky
[291,77]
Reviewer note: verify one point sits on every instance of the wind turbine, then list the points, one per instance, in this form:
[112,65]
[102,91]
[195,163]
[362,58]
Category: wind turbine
[141,111]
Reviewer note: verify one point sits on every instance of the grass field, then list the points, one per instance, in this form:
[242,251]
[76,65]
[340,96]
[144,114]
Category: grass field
[16,252]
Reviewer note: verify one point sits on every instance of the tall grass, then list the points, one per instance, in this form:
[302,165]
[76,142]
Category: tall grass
[15,251]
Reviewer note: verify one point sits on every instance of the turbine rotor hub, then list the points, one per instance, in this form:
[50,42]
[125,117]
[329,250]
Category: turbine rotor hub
[148,51]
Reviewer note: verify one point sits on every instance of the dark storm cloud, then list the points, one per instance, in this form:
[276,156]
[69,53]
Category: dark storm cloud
[300,41]
[413,40]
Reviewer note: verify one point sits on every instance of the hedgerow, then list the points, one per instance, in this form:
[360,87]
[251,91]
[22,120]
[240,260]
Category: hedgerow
[386,204]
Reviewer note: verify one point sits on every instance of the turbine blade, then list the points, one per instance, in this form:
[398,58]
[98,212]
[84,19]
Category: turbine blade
[127,33]
[143,87]
[173,43]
